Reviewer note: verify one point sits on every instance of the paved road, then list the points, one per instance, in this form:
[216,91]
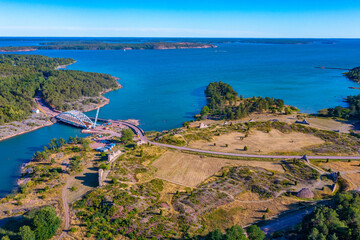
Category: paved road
[141,135]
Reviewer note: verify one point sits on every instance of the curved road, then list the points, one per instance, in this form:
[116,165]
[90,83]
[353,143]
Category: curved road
[141,134]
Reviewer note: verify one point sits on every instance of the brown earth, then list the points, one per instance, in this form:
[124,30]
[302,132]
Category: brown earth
[257,141]
[190,170]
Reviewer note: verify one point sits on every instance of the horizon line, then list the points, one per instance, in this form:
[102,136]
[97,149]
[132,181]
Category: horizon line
[181,37]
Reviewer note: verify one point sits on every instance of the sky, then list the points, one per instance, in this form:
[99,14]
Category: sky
[186,18]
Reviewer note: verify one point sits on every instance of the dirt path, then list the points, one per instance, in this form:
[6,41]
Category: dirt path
[66,209]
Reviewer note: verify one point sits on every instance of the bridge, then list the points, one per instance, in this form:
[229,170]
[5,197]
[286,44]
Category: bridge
[75,118]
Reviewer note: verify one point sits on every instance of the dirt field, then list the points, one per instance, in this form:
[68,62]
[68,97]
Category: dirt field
[257,141]
[342,166]
[190,170]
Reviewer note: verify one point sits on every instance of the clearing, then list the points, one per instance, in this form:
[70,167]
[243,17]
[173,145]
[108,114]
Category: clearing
[190,170]
[258,141]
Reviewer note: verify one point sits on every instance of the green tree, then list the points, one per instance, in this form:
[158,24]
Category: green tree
[61,141]
[205,111]
[235,233]
[126,136]
[45,222]
[255,233]
[215,235]
[26,233]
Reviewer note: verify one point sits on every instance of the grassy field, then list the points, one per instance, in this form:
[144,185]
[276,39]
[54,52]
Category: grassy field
[190,170]
[258,141]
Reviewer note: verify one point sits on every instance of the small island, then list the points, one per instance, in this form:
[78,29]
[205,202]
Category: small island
[97,45]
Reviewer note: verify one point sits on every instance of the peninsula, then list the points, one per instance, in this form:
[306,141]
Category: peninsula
[97,45]
[30,83]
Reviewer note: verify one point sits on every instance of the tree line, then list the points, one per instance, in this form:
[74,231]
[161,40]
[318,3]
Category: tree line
[98,45]
[340,221]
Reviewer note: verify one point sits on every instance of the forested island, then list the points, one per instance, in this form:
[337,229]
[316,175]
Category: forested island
[354,74]
[224,103]
[97,45]
[351,112]
[25,76]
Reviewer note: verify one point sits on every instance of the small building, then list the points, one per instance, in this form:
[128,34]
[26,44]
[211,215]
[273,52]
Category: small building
[202,125]
[305,193]
[102,149]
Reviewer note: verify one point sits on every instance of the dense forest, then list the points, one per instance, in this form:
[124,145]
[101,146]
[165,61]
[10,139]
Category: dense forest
[223,103]
[354,74]
[24,76]
[339,222]
[97,45]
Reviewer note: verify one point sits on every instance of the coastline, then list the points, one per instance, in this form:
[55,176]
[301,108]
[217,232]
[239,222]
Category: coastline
[48,122]
[64,66]
[26,131]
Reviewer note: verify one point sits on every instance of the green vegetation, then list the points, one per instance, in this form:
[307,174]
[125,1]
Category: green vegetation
[340,221]
[354,74]
[353,109]
[237,233]
[97,45]
[40,224]
[127,136]
[62,87]
[24,76]
[350,112]
[223,103]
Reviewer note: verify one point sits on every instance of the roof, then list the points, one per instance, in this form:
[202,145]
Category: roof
[305,193]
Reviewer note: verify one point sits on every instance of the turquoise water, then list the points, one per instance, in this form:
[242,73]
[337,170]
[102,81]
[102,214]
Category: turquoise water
[164,88]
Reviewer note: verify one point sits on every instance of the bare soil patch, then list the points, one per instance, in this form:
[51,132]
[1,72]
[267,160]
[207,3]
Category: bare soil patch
[190,170]
[257,141]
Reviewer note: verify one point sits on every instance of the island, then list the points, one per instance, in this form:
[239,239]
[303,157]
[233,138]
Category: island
[97,45]
[354,74]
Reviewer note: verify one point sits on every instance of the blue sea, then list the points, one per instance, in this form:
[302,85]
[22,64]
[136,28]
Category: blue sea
[164,88]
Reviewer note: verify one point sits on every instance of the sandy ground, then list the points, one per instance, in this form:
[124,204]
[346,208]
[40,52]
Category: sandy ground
[190,170]
[35,121]
[257,141]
